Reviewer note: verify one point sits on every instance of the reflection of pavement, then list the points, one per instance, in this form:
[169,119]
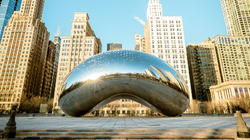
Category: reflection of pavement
[151,93]
[41,123]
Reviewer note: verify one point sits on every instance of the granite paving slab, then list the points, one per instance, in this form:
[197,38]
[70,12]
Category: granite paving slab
[46,123]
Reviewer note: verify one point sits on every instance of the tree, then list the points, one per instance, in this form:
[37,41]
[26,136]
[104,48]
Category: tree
[32,104]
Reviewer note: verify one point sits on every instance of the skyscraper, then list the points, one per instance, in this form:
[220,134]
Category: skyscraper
[114,46]
[237,17]
[23,53]
[224,61]
[7,7]
[233,57]
[219,65]
[81,45]
[164,38]
[203,69]
[57,42]
[233,50]
[49,71]
[234,63]
[139,43]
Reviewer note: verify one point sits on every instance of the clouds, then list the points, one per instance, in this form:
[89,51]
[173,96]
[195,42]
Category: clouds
[140,20]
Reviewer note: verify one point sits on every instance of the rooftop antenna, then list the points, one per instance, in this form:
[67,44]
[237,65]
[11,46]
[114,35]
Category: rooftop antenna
[58,32]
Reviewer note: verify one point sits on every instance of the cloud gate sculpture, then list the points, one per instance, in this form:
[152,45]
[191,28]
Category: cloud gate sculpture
[124,74]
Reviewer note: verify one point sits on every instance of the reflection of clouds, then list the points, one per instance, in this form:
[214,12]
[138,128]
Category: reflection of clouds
[101,77]
[122,62]
[123,71]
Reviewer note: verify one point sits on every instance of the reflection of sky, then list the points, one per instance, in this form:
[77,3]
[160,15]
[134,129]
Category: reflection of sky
[118,61]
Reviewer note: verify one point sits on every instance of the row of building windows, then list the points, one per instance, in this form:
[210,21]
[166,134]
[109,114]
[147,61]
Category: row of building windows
[239,92]
[66,41]
[166,21]
[167,41]
[169,50]
[79,27]
[167,46]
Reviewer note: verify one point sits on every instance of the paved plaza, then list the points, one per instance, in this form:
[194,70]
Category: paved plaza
[46,123]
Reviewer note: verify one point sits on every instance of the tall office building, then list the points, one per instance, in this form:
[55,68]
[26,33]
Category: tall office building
[81,45]
[237,17]
[203,69]
[23,53]
[7,7]
[226,57]
[114,46]
[57,42]
[233,50]
[139,43]
[164,38]
[234,64]
[233,57]
[50,71]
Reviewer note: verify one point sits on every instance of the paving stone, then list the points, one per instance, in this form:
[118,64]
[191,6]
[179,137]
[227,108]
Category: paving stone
[43,123]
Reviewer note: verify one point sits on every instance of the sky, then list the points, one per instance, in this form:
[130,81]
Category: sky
[118,20]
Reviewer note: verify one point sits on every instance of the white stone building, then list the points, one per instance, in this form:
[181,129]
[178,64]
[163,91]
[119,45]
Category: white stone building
[164,38]
[81,45]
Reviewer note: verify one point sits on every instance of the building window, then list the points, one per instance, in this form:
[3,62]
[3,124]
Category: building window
[241,92]
[246,92]
[236,92]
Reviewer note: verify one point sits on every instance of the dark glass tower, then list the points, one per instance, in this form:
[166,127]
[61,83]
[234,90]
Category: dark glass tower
[7,7]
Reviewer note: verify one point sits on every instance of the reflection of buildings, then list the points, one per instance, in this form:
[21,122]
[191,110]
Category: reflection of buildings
[23,50]
[203,69]
[81,45]
[164,38]
[122,77]
[114,46]
[109,108]
[7,7]
[149,72]
[123,107]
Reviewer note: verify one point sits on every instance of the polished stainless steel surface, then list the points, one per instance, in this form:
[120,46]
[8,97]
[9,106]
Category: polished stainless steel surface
[124,74]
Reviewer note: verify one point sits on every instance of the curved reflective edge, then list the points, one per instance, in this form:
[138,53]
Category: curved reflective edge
[144,76]
[123,62]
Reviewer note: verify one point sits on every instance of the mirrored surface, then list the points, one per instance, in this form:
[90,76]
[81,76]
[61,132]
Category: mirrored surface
[122,67]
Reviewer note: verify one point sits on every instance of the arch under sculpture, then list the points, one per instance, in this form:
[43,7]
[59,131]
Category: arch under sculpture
[121,74]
